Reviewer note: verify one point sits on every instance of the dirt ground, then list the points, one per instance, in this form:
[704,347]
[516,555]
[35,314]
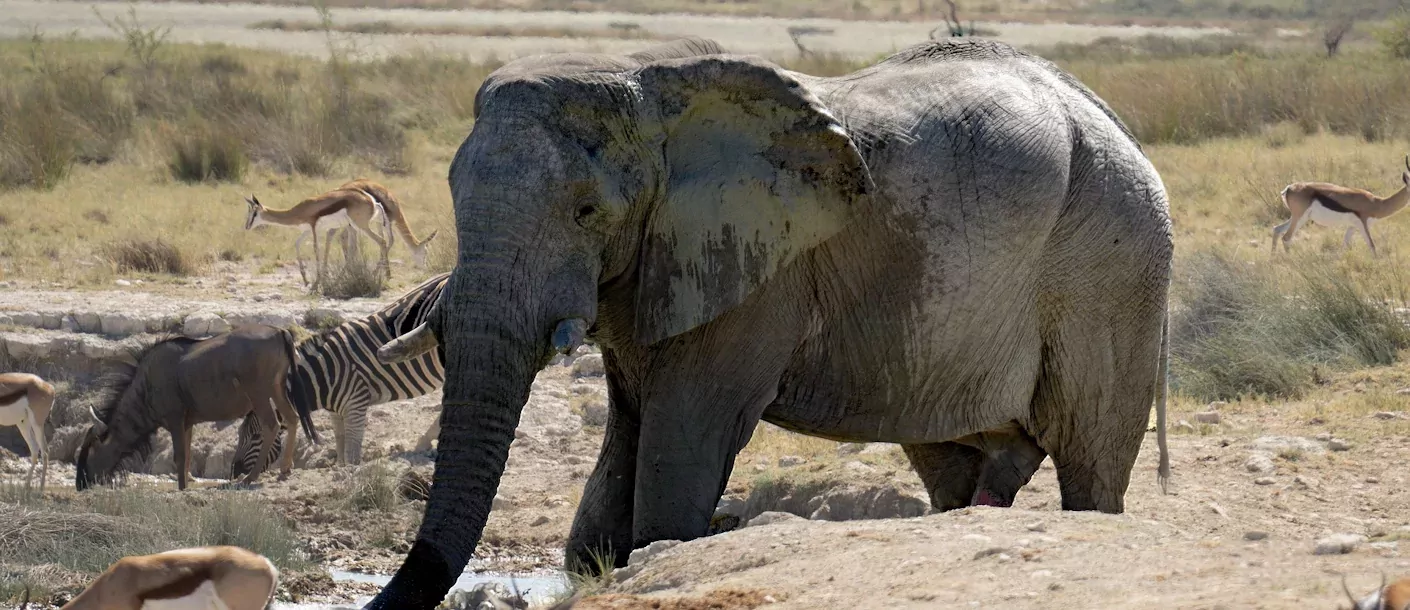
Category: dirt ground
[1251,497]
[227,23]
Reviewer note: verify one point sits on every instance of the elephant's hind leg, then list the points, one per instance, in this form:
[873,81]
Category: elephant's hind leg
[1011,458]
[949,470]
[1092,406]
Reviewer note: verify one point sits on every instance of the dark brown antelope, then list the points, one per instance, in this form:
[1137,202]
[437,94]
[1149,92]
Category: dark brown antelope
[25,401]
[180,382]
[1334,205]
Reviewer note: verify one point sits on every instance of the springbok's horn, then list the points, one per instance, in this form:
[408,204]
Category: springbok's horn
[1348,592]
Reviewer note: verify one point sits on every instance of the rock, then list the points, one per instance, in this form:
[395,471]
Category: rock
[1323,436]
[501,503]
[789,461]
[413,485]
[1337,444]
[1304,482]
[1260,463]
[1037,527]
[1388,415]
[1280,444]
[1264,481]
[1372,480]
[27,318]
[730,505]
[123,283]
[1208,417]
[88,322]
[68,324]
[1218,510]
[541,520]
[772,516]
[1255,535]
[589,365]
[644,554]
[203,324]
[1184,427]
[485,596]
[123,324]
[989,552]
[51,320]
[1338,544]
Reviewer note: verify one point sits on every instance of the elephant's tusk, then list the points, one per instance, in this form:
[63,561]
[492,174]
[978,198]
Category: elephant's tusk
[419,341]
[569,334]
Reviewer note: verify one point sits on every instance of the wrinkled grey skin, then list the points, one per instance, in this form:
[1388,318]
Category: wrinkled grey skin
[959,250]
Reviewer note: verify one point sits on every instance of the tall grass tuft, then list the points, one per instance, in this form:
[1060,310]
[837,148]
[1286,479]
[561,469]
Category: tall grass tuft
[352,279]
[1266,329]
[148,256]
[205,153]
[97,528]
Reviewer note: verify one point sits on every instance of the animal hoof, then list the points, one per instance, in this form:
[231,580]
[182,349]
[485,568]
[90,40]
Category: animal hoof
[283,476]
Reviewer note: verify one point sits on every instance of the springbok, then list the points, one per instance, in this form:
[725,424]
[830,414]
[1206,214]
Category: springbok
[200,578]
[1330,205]
[333,210]
[25,401]
[393,209]
[1395,596]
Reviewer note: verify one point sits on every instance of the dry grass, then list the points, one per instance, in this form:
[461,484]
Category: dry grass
[147,256]
[624,30]
[84,533]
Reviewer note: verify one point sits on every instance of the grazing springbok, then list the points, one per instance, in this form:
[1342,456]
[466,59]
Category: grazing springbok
[180,382]
[200,578]
[333,210]
[1395,596]
[393,210]
[1331,205]
[25,401]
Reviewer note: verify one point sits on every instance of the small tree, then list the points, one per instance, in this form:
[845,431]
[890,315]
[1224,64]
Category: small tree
[797,32]
[1332,37]
[142,42]
[952,23]
[1395,36]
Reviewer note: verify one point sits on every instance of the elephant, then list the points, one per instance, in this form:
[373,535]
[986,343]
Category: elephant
[959,249]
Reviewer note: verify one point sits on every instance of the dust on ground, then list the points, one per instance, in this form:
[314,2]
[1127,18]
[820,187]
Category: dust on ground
[228,23]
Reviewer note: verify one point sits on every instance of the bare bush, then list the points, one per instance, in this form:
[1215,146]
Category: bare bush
[147,256]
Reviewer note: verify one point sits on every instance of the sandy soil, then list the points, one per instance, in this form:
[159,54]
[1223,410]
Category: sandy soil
[227,23]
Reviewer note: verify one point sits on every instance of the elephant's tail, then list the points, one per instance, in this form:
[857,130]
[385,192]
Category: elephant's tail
[1163,474]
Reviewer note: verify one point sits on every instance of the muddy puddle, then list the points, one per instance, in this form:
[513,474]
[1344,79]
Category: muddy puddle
[536,588]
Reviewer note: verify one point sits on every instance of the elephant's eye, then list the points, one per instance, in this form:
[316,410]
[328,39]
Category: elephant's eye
[584,213]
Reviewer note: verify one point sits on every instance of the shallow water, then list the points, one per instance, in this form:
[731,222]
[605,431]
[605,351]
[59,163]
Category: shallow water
[537,588]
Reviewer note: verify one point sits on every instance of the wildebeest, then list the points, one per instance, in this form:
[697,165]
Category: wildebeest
[180,382]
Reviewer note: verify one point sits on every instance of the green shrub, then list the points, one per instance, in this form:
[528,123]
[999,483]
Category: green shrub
[147,256]
[1242,328]
[208,154]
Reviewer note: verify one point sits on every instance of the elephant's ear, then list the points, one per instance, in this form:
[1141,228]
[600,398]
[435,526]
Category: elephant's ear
[756,172]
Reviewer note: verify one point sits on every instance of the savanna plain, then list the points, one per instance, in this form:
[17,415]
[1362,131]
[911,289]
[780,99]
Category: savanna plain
[125,161]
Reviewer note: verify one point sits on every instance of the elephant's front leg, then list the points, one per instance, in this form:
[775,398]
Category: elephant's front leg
[690,434]
[602,529]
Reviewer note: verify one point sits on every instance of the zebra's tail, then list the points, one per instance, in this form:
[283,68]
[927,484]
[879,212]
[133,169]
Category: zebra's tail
[305,414]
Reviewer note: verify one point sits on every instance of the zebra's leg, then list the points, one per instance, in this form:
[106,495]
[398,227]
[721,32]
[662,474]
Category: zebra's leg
[340,438]
[354,427]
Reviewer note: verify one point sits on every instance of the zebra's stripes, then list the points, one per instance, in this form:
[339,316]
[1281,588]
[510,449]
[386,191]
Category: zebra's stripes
[339,371]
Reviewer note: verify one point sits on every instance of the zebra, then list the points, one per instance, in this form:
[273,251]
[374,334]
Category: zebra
[339,371]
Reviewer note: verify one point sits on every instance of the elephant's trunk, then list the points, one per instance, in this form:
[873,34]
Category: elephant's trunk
[493,352]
